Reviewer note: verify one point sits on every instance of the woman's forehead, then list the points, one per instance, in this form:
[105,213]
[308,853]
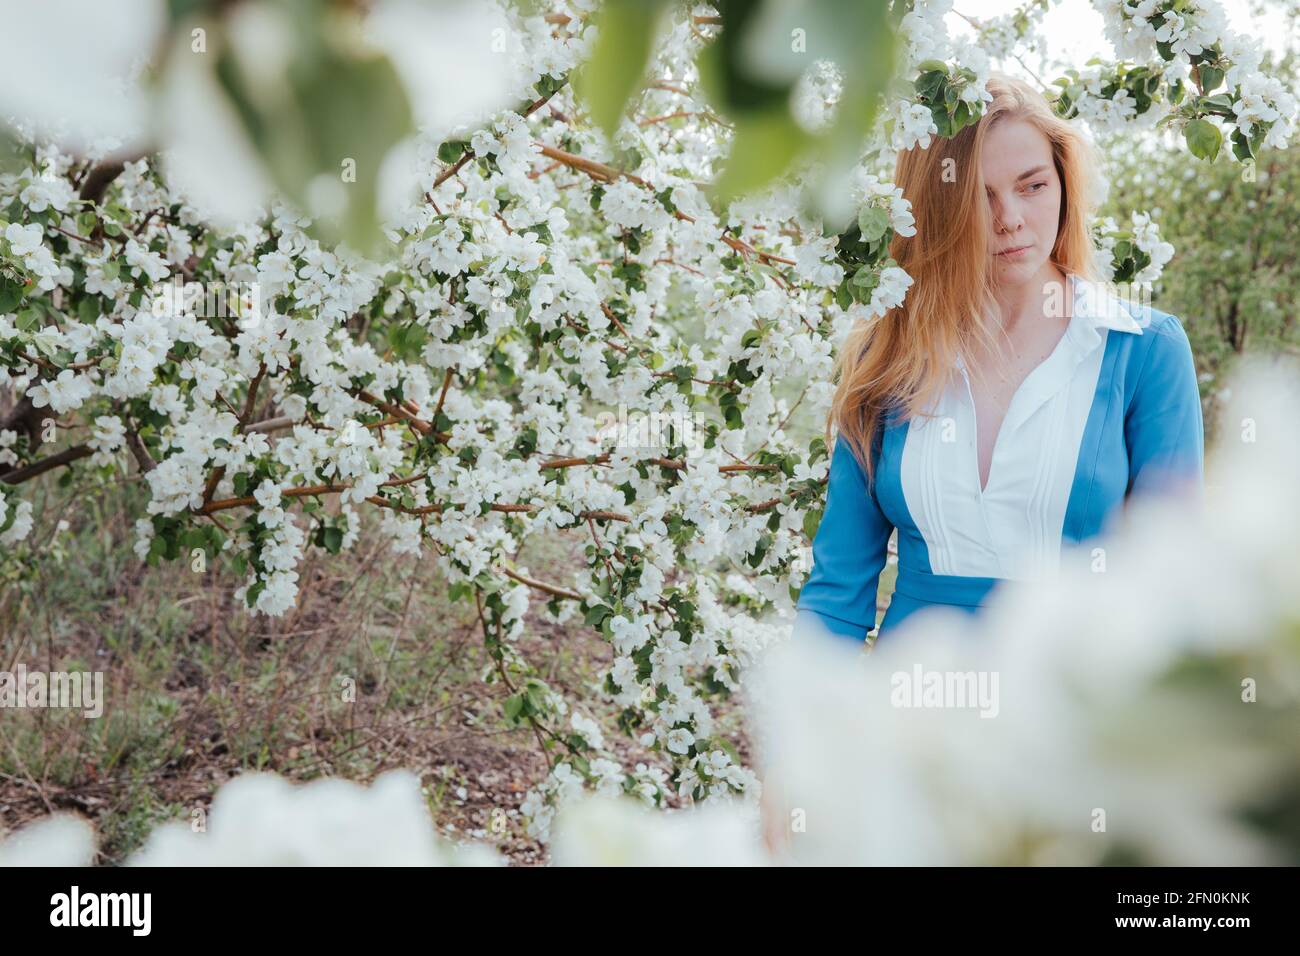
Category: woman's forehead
[1012,147]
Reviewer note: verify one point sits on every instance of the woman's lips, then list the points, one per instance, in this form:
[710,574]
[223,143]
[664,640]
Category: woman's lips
[1014,253]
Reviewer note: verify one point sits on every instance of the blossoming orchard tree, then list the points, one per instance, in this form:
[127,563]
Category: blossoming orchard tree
[670,211]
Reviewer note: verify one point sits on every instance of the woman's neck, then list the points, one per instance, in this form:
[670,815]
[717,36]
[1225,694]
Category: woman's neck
[1023,302]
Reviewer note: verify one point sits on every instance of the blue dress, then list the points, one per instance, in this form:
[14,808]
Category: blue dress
[1114,411]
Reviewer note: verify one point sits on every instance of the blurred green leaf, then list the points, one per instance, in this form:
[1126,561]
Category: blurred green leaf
[763,147]
[751,67]
[626,34]
[12,156]
[763,50]
[325,130]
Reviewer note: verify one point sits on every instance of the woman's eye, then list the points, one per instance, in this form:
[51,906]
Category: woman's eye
[1034,187]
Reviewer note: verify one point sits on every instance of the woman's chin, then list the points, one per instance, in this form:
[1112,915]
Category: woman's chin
[1023,267]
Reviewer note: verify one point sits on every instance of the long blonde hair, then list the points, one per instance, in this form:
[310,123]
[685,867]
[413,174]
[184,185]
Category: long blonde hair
[903,359]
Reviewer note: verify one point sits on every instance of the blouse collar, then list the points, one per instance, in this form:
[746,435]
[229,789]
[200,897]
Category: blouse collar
[1095,303]
[1096,310]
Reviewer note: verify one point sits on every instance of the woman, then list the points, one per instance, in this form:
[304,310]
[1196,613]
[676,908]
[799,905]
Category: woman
[1012,402]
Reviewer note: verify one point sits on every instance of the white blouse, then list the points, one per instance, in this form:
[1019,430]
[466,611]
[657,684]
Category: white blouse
[1011,529]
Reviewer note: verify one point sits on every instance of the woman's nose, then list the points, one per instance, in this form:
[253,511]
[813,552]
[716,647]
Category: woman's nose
[1007,220]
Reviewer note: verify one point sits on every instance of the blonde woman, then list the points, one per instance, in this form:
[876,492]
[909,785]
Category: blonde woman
[1013,402]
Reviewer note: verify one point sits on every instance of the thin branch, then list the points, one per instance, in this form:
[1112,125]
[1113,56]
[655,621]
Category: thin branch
[271,424]
[140,452]
[446,384]
[542,586]
[99,178]
[27,472]
[252,395]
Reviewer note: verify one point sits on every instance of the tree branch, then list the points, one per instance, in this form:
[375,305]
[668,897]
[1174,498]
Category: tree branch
[28,472]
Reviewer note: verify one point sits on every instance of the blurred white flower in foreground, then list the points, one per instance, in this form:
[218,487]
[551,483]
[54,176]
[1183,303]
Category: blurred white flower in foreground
[593,830]
[205,153]
[260,819]
[461,60]
[62,839]
[73,69]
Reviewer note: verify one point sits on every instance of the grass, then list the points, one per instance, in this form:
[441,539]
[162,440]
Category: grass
[374,669]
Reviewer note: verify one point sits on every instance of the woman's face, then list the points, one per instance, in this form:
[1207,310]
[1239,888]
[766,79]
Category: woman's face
[1024,194]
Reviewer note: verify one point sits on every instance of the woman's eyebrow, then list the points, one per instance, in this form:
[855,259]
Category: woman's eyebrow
[1030,172]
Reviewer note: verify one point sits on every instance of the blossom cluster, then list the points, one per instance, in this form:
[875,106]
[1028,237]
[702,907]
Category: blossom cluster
[1196,52]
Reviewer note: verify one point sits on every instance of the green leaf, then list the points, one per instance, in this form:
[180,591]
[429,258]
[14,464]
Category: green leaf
[407,341]
[1241,146]
[843,296]
[11,292]
[962,116]
[872,222]
[29,319]
[548,85]
[597,614]
[451,151]
[811,521]
[865,278]
[331,539]
[1210,77]
[942,120]
[1220,104]
[1203,138]
[929,85]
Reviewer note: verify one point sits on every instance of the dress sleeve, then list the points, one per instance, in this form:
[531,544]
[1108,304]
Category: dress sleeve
[849,552]
[1163,427]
